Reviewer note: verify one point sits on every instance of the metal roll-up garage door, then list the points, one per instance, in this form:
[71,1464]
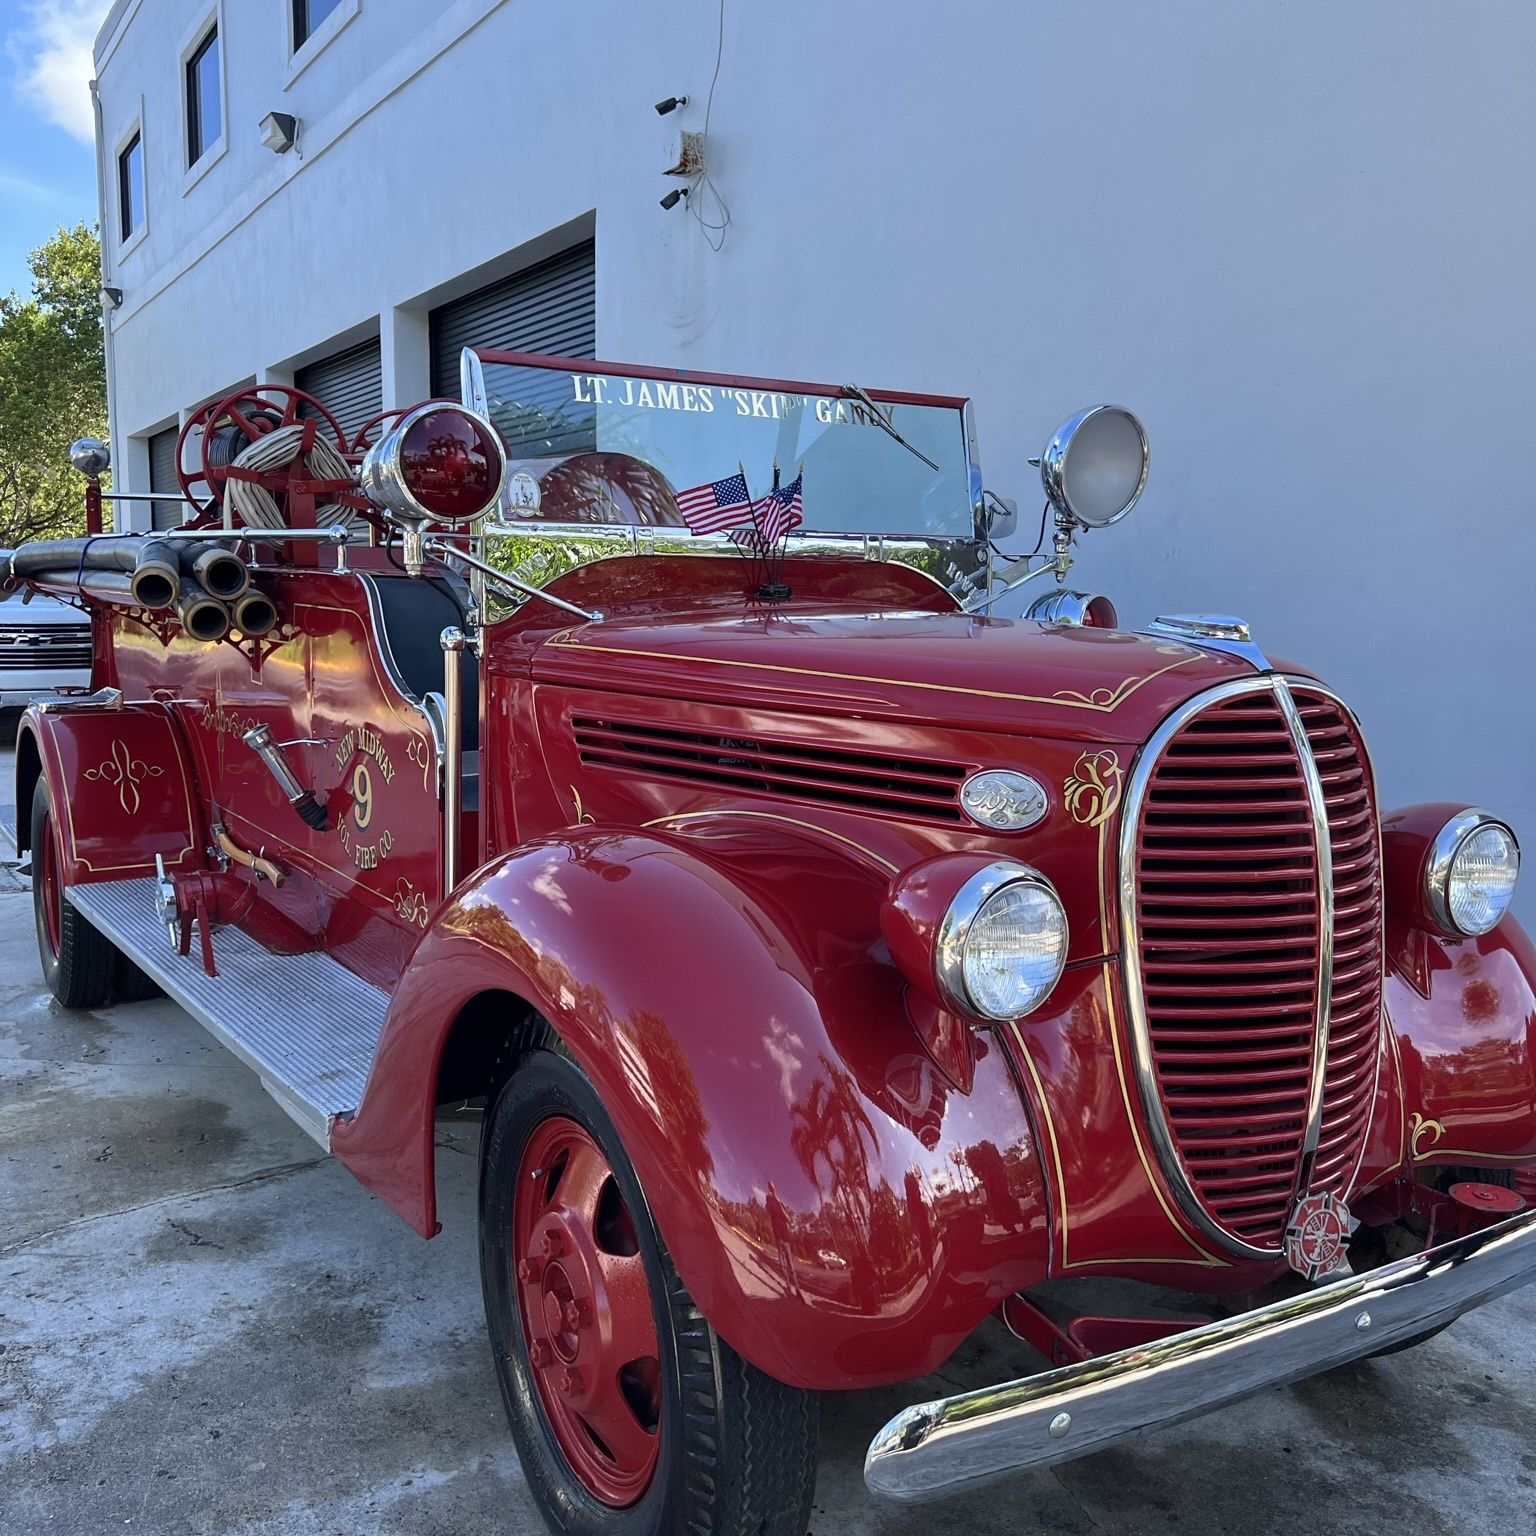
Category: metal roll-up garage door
[548,308]
[349,384]
[162,477]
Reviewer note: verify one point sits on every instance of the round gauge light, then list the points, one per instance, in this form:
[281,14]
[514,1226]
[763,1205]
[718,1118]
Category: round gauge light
[1002,944]
[1480,882]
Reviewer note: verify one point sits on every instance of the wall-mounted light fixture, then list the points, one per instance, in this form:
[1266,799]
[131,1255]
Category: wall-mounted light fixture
[279,131]
[113,296]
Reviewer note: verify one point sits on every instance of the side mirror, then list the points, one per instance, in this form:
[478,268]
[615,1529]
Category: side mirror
[1094,468]
[90,456]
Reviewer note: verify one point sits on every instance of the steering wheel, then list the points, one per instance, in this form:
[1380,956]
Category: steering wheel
[226,428]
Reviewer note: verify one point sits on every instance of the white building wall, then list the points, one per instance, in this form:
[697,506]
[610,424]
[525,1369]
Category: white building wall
[1297,239]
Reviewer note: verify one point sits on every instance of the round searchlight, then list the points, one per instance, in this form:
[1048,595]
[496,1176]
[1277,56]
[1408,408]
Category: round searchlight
[1095,466]
[440,464]
[90,456]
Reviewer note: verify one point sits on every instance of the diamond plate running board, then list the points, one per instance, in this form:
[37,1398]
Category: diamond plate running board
[312,1052]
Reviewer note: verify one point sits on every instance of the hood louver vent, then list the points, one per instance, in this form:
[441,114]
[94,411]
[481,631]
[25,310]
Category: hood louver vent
[859,781]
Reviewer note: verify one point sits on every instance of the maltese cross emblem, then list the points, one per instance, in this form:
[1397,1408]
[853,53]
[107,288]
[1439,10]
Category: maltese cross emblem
[1316,1235]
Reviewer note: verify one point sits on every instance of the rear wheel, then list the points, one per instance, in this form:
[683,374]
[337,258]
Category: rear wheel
[595,1337]
[78,963]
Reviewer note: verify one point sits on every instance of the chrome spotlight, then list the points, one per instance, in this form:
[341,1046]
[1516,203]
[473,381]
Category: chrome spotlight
[90,456]
[1095,466]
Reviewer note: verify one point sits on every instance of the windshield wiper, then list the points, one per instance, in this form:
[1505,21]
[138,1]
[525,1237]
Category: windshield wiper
[883,422]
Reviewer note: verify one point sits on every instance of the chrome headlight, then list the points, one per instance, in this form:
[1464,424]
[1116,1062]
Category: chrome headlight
[1469,880]
[1002,943]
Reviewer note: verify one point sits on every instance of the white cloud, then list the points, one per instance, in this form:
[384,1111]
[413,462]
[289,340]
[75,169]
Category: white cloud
[53,53]
[25,188]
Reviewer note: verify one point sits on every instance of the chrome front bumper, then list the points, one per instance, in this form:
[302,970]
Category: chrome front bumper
[938,1448]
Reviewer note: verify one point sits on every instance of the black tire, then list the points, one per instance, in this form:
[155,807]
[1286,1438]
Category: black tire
[740,1461]
[78,962]
[1406,1344]
[130,984]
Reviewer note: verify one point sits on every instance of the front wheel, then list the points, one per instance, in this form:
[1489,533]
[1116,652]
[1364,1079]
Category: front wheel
[596,1341]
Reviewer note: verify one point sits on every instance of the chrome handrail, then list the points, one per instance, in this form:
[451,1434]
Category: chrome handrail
[453,643]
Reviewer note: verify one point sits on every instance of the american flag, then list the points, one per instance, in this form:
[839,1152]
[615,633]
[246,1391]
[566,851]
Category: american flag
[776,515]
[715,507]
[782,510]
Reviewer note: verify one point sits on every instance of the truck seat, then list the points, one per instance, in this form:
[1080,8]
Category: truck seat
[413,612]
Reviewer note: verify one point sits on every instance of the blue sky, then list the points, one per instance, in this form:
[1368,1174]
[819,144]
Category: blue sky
[47,159]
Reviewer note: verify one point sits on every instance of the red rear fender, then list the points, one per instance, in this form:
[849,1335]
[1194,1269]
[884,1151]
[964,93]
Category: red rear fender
[121,786]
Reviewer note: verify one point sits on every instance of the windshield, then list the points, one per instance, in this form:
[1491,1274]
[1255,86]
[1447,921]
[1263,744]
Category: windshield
[599,444]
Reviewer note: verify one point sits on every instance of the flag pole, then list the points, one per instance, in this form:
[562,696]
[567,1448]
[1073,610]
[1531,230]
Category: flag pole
[756,538]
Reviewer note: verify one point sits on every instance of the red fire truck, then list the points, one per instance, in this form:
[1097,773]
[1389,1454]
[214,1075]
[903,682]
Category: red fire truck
[642,753]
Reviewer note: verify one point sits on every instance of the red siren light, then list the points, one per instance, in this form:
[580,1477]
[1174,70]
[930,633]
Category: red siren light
[442,464]
[1087,610]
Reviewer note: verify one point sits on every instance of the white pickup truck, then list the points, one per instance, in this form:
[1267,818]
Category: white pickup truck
[44,645]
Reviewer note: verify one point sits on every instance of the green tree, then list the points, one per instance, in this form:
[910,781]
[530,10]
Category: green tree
[53,387]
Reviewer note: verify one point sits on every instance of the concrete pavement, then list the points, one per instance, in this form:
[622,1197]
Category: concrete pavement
[207,1327]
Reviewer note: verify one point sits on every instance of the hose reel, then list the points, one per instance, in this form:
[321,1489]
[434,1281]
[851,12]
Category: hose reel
[272,456]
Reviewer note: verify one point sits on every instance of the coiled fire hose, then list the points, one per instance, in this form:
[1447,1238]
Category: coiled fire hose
[256,505]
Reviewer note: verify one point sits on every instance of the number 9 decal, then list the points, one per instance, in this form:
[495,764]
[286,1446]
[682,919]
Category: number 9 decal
[362,796]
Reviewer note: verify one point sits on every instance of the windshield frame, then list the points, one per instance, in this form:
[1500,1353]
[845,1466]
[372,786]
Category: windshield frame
[473,394]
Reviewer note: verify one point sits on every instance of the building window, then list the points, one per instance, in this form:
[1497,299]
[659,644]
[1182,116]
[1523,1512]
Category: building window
[130,187]
[307,17]
[205,116]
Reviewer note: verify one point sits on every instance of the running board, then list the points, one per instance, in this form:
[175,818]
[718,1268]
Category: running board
[305,1024]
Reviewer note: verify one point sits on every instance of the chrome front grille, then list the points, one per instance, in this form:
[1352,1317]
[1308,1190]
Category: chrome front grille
[1251,901]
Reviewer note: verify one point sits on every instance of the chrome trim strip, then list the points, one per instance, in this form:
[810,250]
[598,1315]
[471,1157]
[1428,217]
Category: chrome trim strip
[1168,1156]
[1311,685]
[1322,837]
[938,1448]
[953,564]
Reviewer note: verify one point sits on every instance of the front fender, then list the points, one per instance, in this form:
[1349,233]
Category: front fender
[1458,1085]
[839,1212]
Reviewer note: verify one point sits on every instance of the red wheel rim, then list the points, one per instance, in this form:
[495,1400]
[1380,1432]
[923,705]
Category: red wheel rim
[585,1307]
[48,887]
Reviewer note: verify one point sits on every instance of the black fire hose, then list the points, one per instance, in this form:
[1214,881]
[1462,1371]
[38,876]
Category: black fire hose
[220,572]
[155,565]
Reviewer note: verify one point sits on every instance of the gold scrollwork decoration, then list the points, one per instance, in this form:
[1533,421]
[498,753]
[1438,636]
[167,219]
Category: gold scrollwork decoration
[583,815]
[1092,790]
[1420,1127]
[418,752]
[1099,698]
[125,772]
[410,903]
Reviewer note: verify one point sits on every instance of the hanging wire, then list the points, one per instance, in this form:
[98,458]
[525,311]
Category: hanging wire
[714,228]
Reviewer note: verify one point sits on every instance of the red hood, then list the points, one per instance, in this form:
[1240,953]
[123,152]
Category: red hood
[1006,675]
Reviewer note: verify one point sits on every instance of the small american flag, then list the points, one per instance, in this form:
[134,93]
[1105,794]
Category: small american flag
[782,510]
[715,507]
